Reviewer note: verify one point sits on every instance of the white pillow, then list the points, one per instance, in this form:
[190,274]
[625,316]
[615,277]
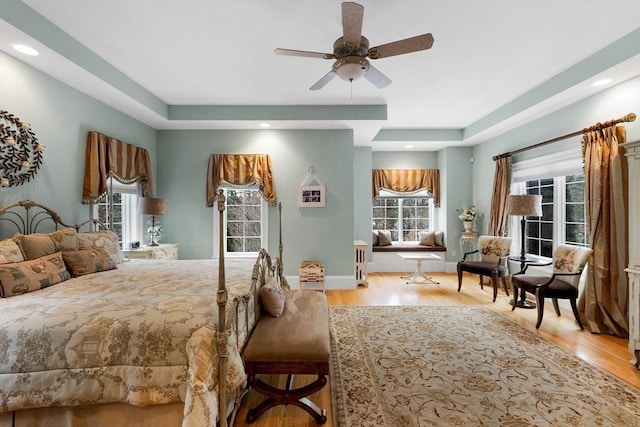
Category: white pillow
[427,238]
[384,238]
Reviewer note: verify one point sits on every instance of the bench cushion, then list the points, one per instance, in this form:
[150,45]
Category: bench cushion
[299,334]
[409,248]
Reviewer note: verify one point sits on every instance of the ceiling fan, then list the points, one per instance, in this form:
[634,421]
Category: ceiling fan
[352,50]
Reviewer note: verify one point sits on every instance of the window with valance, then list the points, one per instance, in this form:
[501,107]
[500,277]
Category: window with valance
[108,157]
[241,170]
[407,181]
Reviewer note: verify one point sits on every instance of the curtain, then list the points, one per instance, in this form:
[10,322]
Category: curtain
[604,301]
[240,170]
[501,186]
[407,181]
[107,157]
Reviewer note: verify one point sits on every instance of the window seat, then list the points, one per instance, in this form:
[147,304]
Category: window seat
[387,259]
[408,247]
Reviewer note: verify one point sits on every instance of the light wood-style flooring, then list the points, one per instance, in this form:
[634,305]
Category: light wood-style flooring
[607,352]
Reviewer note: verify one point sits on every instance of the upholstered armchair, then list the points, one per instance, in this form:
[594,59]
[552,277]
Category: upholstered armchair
[494,252]
[568,263]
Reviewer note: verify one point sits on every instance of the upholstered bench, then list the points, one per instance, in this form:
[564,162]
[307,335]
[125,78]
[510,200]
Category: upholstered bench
[296,342]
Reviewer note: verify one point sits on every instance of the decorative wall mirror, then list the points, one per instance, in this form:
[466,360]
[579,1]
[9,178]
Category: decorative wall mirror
[20,152]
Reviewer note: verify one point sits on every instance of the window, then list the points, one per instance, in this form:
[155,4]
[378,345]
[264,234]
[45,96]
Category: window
[403,216]
[563,219]
[122,200]
[245,218]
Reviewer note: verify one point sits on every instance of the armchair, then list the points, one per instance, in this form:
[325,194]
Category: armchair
[568,263]
[494,252]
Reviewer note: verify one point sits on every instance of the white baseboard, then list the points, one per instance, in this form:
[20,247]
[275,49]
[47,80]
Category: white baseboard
[330,282]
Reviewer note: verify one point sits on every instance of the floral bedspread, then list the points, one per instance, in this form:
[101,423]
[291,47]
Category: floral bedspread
[141,334]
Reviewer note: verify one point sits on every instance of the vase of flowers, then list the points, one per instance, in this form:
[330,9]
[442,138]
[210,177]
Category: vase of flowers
[468,214]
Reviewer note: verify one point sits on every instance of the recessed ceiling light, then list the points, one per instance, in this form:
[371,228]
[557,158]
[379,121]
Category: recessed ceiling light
[27,50]
[601,82]
[408,146]
[265,125]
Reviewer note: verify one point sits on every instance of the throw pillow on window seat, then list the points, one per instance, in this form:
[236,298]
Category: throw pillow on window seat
[384,238]
[427,238]
[439,238]
[374,239]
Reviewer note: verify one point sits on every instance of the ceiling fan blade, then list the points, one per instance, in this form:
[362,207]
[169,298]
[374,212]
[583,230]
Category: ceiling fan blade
[376,77]
[412,44]
[352,14]
[292,52]
[324,80]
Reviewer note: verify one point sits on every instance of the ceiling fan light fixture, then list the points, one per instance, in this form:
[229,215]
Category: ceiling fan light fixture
[351,67]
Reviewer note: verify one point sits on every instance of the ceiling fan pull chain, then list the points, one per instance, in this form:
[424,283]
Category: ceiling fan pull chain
[351,90]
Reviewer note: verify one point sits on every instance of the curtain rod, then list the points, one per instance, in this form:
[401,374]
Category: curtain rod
[626,118]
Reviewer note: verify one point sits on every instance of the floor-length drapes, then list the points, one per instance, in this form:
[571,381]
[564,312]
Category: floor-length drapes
[501,187]
[603,304]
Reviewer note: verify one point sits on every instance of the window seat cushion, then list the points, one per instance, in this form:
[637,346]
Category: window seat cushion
[409,247]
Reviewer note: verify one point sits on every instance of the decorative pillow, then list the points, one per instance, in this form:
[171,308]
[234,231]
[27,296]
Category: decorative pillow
[374,240]
[10,252]
[105,239]
[26,276]
[439,238]
[65,239]
[384,238]
[427,238]
[272,297]
[87,261]
[37,245]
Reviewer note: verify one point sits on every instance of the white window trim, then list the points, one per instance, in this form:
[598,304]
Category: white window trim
[133,223]
[264,229]
[560,164]
[386,194]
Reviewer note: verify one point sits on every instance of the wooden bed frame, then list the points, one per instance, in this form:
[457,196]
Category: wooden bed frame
[35,216]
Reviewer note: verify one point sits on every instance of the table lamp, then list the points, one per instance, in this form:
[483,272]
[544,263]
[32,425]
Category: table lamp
[152,206]
[524,205]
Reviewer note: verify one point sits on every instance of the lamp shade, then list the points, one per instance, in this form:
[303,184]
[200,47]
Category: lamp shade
[152,206]
[524,205]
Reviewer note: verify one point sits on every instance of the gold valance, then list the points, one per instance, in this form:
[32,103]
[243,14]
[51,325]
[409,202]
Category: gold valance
[407,181]
[108,157]
[240,170]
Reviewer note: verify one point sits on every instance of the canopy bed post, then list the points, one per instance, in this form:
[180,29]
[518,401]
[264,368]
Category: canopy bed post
[221,334]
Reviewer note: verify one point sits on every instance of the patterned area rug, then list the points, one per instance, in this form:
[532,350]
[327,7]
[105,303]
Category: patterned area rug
[463,366]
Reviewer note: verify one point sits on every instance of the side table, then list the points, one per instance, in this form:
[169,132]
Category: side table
[523,303]
[468,242]
[162,251]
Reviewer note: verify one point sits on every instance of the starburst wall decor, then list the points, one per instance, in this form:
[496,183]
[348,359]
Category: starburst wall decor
[20,152]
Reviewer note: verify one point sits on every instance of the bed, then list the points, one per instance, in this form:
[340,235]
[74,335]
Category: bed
[142,342]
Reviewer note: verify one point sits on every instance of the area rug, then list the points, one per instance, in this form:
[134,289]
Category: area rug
[400,366]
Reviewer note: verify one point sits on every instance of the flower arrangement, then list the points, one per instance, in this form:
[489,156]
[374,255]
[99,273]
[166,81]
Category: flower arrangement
[468,213]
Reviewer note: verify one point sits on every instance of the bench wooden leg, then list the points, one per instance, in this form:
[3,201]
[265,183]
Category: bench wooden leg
[296,397]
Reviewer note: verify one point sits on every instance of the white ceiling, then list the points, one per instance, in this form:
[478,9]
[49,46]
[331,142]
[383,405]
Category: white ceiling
[487,56]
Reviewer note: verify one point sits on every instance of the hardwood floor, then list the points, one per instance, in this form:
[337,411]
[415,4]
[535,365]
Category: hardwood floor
[607,352]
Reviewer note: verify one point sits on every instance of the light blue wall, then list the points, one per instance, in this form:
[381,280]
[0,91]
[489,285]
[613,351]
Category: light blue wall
[61,117]
[456,170]
[325,234]
[610,104]
[362,179]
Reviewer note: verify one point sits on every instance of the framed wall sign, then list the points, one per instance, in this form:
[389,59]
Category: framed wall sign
[311,196]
